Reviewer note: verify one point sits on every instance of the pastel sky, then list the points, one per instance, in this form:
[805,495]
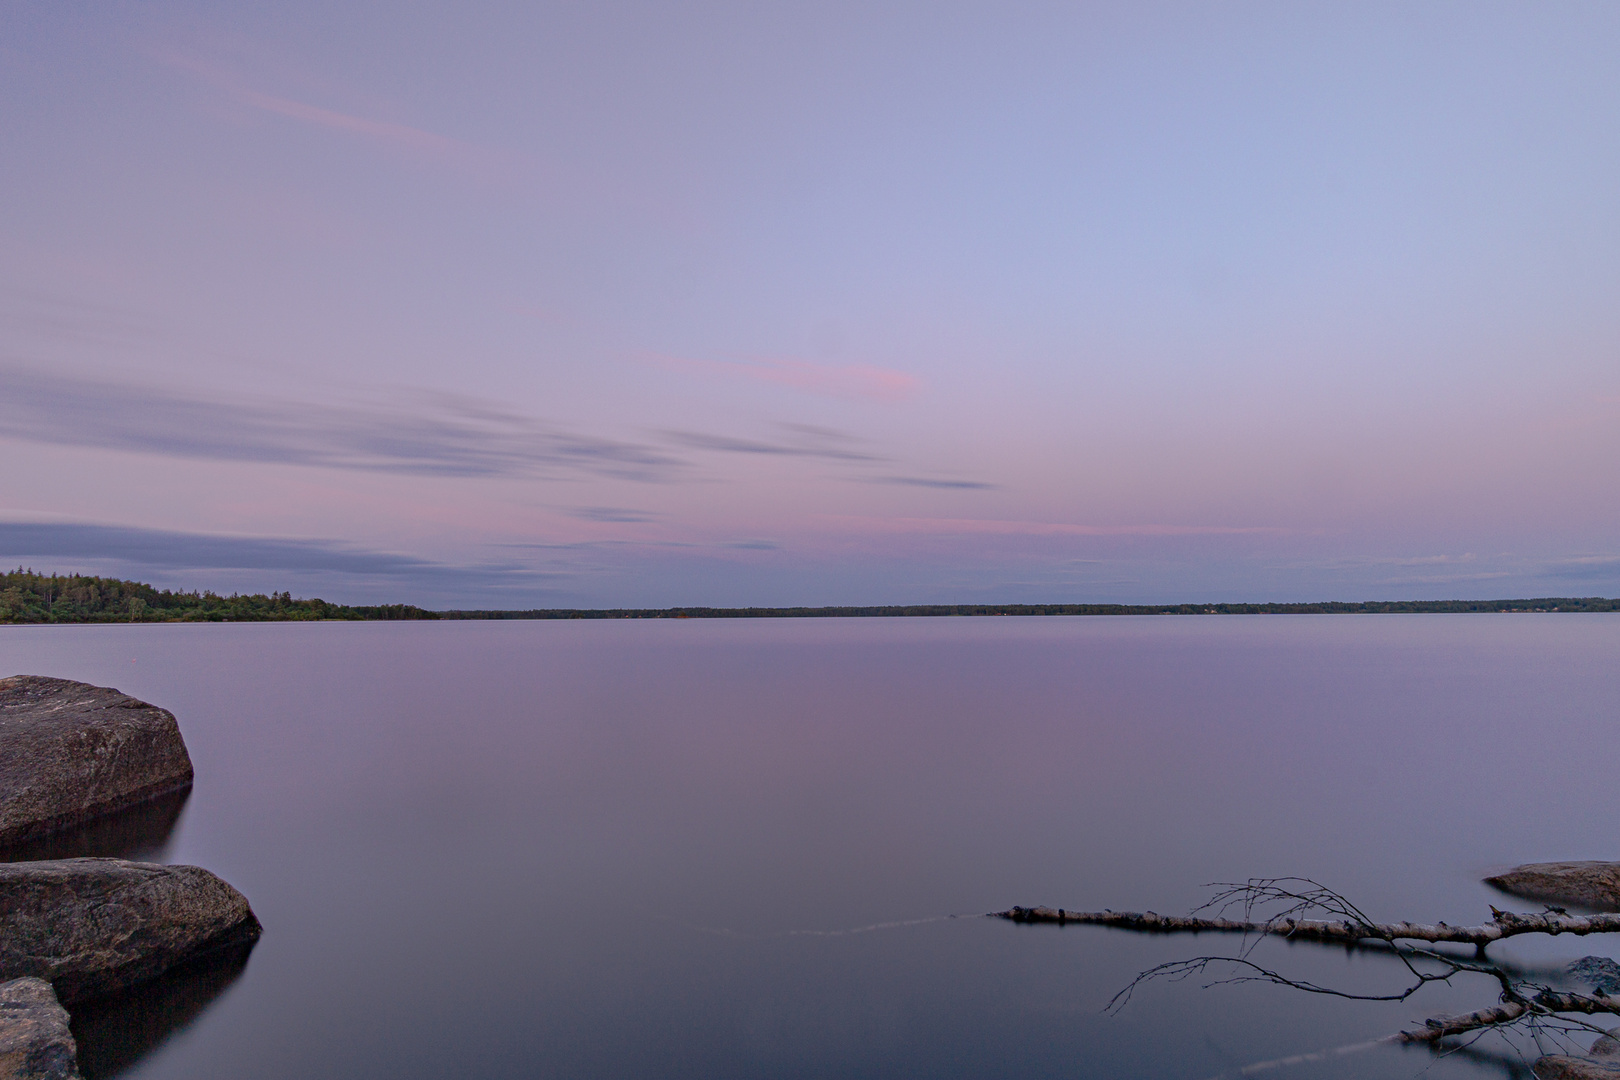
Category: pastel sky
[622,304]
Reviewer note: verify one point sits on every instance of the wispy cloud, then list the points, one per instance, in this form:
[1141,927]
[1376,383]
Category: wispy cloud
[400,136]
[436,435]
[849,381]
[806,441]
[612,515]
[929,482]
[1446,569]
[412,141]
[1385,561]
[609,545]
[60,541]
[1586,567]
[999,527]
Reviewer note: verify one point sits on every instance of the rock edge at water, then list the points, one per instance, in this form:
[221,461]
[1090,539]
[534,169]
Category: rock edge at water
[1602,1062]
[1565,1067]
[71,752]
[1594,885]
[35,1043]
[92,926]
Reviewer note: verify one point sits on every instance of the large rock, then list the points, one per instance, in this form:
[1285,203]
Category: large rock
[92,926]
[71,752]
[35,1043]
[1594,885]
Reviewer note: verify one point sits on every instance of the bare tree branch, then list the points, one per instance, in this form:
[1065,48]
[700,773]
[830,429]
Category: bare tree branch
[1285,907]
[1348,928]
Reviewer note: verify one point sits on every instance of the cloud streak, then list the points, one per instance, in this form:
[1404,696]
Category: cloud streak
[814,443]
[443,436]
[1586,568]
[425,435]
[997,527]
[414,142]
[613,515]
[928,482]
[170,549]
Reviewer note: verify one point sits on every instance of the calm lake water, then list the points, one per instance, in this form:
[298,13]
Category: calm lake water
[759,848]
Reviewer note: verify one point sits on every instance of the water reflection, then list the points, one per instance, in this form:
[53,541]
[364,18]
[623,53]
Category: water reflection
[510,850]
[115,1032]
[140,834]
[1504,1063]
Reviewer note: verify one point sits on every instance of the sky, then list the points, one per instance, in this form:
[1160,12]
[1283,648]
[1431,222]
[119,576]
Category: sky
[646,304]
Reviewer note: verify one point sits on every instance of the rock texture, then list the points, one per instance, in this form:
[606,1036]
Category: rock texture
[92,926]
[71,752]
[1597,972]
[1601,1063]
[35,1043]
[1594,885]
[1560,1067]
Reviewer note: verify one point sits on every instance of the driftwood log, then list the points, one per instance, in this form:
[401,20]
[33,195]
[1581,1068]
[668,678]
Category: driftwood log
[1504,924]
[1296,906]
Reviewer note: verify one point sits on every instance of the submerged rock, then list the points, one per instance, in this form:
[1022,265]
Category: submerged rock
[1598,972]
[1594,885]
[35,1043]
[1602,1062]
[71,752]
[92,926]
[1564,1067]
[1607,1047]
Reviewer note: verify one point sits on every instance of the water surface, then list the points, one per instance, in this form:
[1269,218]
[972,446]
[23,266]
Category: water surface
[759,847]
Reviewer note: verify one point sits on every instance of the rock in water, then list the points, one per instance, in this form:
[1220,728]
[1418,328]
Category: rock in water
[1602,1062]
[1560,1067]
[1594,885]
[1598,972]
[71,752]
[92,926]
[35,1043]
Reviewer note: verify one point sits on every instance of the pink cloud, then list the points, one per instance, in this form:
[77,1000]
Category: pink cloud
[412,140]
[831,380]
[401,135]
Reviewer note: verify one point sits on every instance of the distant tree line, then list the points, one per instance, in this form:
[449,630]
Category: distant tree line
[27,597]
[1589,603]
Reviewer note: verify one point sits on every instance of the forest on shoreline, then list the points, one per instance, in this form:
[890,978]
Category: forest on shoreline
[29,597]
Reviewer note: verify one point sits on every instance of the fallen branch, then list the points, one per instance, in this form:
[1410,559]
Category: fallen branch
[1520,1002]
[1545,1003]
[1337,931]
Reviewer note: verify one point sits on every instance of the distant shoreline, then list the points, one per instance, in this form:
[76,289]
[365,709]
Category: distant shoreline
[30,598]
[1368,607]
